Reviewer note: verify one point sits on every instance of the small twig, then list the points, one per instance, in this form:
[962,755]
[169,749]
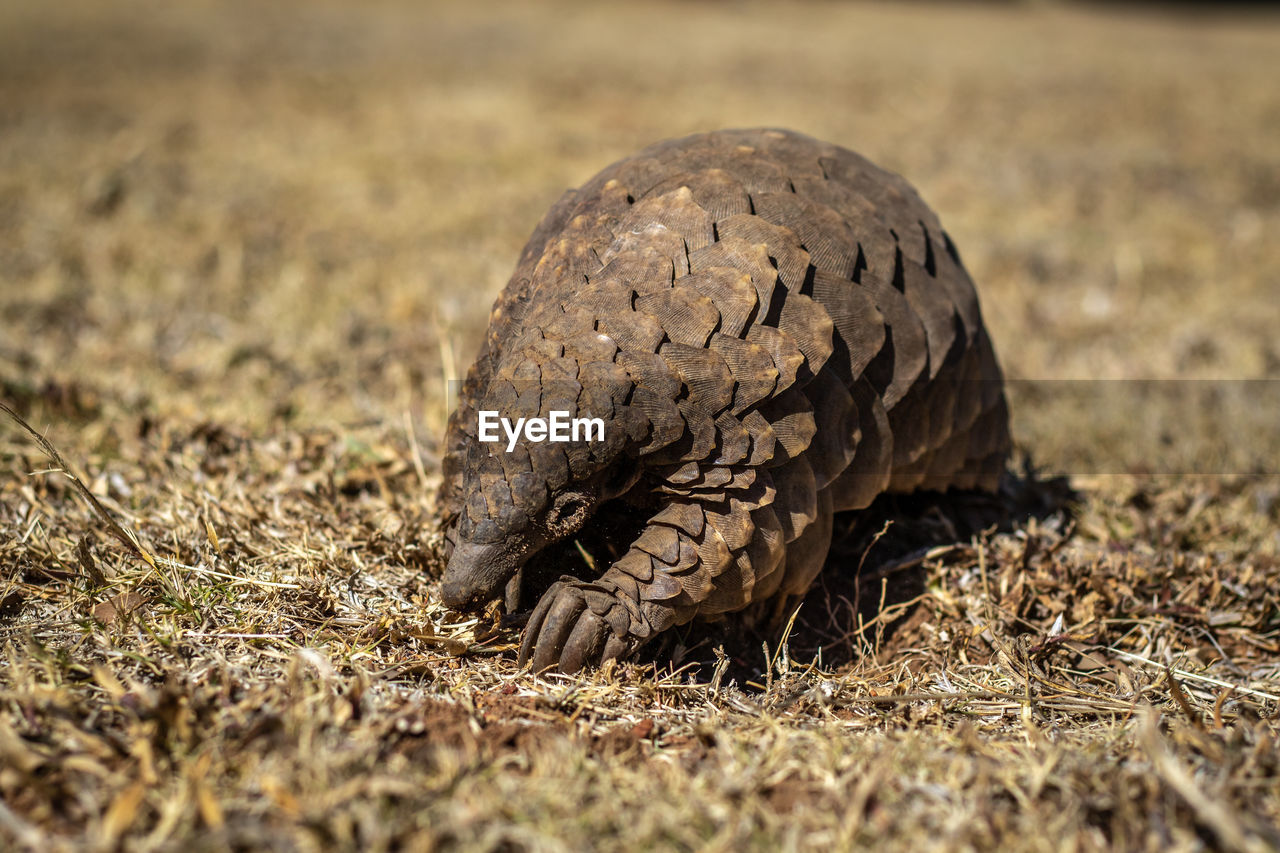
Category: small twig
[202,635]
[872,544]
[786,634]
[910,561]
[1179,696]
[1191,676]
[586,556]
[415,452]
[883,614]
[986,583]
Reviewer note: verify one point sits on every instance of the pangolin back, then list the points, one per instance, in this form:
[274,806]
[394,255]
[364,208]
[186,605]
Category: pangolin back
[774,329]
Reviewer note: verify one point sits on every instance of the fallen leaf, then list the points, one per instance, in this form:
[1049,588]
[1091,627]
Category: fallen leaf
[122,604]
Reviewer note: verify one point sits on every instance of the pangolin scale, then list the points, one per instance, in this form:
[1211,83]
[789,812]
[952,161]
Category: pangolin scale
[771,328]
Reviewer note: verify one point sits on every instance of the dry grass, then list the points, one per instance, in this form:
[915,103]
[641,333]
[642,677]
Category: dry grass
[241,249]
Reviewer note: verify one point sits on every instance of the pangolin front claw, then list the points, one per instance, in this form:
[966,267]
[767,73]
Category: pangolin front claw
[585,644]
[533,629]
[564,633]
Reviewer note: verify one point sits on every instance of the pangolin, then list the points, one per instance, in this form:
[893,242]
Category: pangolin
[771,329]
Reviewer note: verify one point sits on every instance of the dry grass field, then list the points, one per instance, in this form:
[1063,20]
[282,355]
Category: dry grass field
[244,246]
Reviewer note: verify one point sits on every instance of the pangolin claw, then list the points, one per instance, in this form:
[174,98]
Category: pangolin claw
[563,632]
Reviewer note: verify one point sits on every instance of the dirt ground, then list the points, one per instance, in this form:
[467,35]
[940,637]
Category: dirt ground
[243,248]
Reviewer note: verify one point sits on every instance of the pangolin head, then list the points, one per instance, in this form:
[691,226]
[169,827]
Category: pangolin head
[518,501]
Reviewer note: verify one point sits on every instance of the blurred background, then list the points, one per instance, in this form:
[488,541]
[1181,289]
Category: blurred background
[297,214]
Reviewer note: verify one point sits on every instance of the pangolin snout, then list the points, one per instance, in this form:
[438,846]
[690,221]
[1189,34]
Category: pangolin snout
[477,573]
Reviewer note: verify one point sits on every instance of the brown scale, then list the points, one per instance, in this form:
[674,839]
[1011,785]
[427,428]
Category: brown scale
[773,330]
[732,294]
[782,249]
[753,370]
[763,439]
[686,316]
[714,190]
[823,232]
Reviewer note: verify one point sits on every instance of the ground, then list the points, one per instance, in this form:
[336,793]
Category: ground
[243,247]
